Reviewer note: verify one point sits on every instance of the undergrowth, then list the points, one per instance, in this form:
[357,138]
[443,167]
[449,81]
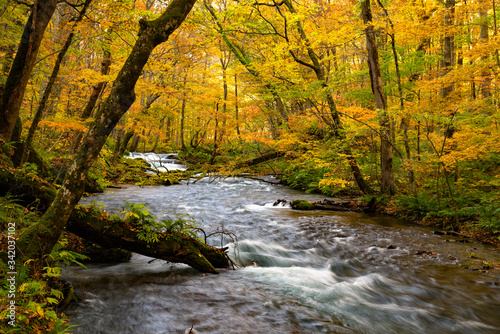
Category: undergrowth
[39,294]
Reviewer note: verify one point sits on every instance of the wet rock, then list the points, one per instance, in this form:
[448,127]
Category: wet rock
[280,202]
[424,253]
[487,266]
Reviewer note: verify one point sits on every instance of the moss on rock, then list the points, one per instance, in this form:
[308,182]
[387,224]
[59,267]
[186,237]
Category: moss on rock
[299,204]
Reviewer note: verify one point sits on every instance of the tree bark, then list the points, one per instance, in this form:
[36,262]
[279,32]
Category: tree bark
[387,175]
[15,87]
[40,239]
[183,114]
[124,143]
[236,107]
[405,119]
[135,143]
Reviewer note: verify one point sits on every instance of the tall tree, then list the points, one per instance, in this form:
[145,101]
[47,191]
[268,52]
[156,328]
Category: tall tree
[387,175]
[484,36]
[314,63]
[448,45]
[40,239]
[48,88]
[97,90]
[15,87]
[240,53]
[405,118]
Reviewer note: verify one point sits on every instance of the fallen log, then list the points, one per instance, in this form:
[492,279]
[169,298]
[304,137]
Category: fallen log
[263,158]
[96,226]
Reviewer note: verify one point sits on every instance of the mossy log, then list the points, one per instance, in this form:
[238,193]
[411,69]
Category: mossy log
[301,205]
[333,206]
[96,226]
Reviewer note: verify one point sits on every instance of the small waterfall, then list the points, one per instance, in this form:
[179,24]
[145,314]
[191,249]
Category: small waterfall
[161,162]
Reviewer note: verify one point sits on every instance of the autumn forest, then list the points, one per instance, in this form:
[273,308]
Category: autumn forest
[391,102]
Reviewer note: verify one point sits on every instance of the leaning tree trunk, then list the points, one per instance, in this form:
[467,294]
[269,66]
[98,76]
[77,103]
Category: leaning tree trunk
[405,120]
[130,134]
[40,239]
[387,184]
[15,87]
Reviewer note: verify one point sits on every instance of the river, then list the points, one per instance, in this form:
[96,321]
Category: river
[302,271]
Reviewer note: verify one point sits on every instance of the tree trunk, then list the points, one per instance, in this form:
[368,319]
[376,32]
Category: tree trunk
[48,89]
[263,158]
[97,90]
[405,119]
[135,143]
[486,79]
[236,107]
[216,135]
[124,143]
[495,31]
[15,87]
[118,135]
[183,114]
[40,239]
[387,175]
[335,123]
[181,129]
[448,53]
[124,138]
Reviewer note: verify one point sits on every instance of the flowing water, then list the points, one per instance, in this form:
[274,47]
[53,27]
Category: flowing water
[302,272]
[161,162]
